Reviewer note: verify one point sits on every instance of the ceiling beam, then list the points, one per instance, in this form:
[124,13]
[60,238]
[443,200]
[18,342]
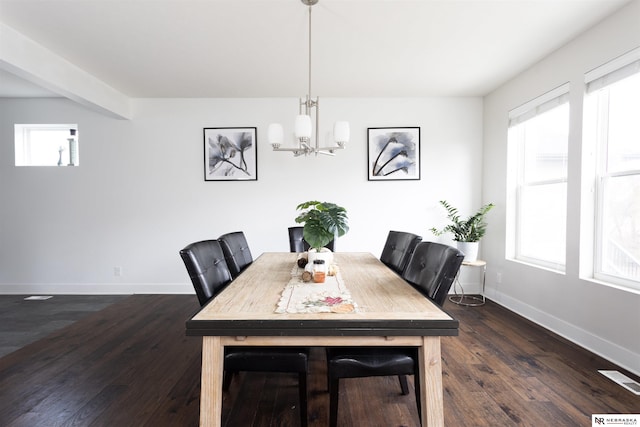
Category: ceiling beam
[32,62]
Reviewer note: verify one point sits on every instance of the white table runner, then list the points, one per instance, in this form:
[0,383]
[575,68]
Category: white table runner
[332,296]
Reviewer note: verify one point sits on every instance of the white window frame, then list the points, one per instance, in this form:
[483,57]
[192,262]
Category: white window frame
[546,102]
[23,139]
[597,83]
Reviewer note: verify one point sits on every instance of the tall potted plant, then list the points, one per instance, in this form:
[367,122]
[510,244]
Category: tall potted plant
[466,232]
[322,222]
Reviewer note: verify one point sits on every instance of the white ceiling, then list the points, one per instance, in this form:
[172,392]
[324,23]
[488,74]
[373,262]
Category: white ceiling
[258,48]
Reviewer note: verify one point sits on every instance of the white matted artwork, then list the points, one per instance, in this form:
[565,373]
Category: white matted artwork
[394,153]
[230,154]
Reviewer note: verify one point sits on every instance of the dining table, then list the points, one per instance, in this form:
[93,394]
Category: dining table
[362,303]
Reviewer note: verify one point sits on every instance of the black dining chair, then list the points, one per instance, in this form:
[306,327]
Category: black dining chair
[398,249]
[431,270]
[207,268]
[236,252]
[298,244]
[209,274]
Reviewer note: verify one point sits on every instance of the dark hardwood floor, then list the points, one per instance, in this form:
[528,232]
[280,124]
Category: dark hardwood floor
[131,364]
[24,321]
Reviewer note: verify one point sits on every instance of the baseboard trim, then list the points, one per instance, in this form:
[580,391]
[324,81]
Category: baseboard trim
[95,288]
[593,343]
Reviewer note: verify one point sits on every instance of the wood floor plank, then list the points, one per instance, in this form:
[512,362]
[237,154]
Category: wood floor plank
[131,364]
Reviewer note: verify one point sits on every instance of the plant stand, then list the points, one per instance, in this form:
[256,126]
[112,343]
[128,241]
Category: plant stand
[469,300]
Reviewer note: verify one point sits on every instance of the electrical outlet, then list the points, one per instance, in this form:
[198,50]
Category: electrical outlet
[117,271]
[499,277]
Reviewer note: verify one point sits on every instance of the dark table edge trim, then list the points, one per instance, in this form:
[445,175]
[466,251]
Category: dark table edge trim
[321,333]
[321,328]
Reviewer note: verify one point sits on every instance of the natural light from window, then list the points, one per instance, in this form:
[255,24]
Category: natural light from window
[539,183]
[615,111]
[46,145]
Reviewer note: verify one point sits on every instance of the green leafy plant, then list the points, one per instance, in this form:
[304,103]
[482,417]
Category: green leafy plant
[322,221]
[471,229]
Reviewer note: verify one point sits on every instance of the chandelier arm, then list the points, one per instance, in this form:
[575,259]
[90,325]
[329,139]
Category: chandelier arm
[326,153]
[334,147]
[288,149]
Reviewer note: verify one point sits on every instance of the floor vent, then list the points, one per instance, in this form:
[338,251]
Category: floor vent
[623,380]
[38,297]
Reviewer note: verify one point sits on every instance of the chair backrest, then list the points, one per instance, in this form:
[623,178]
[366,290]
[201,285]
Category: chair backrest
[398,249]
[236,252]
[432,269]
[297,242]
[207,268]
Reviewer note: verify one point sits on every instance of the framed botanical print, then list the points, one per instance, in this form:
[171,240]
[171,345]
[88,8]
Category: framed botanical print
[393,153]
[230,154]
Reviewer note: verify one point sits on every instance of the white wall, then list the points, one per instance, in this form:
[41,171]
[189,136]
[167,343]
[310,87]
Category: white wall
[602,318]
[139,195]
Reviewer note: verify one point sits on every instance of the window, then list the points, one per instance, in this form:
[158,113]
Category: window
[538,143]
[46,145]
[612,129]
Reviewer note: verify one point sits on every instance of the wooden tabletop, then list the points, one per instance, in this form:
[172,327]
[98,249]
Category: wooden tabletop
[386,304]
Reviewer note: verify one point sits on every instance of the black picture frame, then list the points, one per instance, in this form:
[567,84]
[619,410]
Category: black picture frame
[230,154]
[393,153]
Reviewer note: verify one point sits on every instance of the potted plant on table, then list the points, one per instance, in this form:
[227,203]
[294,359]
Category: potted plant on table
[466,232]
[322,222]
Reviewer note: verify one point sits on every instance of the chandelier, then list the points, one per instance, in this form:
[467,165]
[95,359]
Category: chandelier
[303,128]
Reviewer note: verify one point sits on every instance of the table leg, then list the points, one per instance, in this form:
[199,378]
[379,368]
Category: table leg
[211,382]
[431,382]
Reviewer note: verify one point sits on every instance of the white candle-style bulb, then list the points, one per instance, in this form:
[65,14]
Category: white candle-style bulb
[303,126]
[341,132]
[275,134]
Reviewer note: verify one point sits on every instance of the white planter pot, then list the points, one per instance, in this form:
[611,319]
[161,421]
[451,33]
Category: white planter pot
[469,249]
[324,254]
